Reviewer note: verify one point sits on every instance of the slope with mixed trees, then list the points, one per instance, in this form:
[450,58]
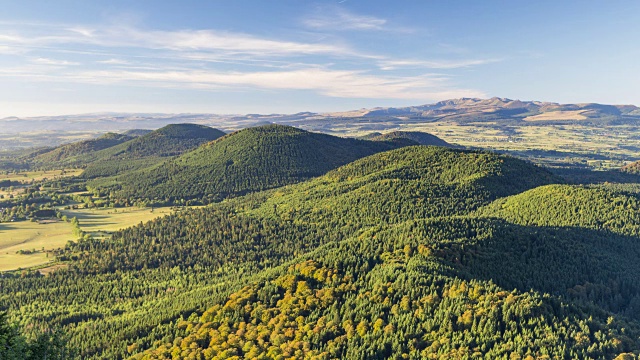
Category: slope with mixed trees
[249,160]
[445,287]
[142,281]
[415,252]
[148,149]
[632,168]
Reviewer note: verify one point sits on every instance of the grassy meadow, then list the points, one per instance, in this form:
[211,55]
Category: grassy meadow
[28,176]
[38,238]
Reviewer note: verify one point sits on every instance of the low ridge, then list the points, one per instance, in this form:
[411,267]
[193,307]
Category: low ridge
[422,138]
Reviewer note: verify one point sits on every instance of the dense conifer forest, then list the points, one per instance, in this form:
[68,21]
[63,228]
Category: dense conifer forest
[314,246]
[249,160]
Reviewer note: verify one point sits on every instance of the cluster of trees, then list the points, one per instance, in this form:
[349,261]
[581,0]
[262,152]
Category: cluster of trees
[418,137]
[14,345]
[76,154]
[601,208]
[28,205]
[383,297]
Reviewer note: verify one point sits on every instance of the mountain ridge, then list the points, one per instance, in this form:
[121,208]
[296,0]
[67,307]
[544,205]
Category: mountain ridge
[501,106]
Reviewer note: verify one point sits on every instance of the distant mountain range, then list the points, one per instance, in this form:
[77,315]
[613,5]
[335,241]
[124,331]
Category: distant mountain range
[380,118]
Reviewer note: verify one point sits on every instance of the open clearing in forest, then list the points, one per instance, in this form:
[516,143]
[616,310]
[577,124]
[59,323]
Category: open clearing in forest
[28,176]
[108,220]
[34,237]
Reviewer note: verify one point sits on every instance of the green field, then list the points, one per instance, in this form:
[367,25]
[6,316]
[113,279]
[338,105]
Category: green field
[36,237]
[29,176]
[600,148]
[98,221]
[26,235]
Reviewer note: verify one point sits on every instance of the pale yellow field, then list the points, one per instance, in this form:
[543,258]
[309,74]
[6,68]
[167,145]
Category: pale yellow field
[26,235]
[558,115]
[101,220]
[40,175]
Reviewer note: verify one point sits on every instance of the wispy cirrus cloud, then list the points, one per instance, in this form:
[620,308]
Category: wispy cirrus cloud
[332,83]
[54,62]
[113,61]
[391,64]
[214,59]
[337,18]
[202,40]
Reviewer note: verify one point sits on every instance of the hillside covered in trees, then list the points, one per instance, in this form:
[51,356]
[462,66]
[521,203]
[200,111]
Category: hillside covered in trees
[148,149]
[334,248]
[249,160]
[75,154]
[419,137]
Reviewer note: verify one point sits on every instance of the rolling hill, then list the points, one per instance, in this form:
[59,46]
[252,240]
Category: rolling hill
[597,208]
[249,160]
[413,252]
[457,286]
[187,262]
[75,153]
[149,149]
[418,137]
[137,132]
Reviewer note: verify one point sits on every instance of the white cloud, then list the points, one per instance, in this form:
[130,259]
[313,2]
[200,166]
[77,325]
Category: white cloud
[113,61]
[55,62]
[335,18]
[229,42]
[334,83]
[195,59]
[435,64]
[8,50]
[179,40]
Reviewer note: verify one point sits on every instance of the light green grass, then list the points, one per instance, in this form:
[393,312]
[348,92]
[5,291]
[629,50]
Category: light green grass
[26,235]
[28,176]
[108,220]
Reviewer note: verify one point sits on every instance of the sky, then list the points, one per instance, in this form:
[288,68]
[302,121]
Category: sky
[238,57]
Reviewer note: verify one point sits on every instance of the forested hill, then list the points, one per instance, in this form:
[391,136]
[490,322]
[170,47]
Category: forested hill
[76,153]
[417,252]
[412,276]
[137,132]
[149,149]
[249,160]
[185,263]
[421,138]
[597,208]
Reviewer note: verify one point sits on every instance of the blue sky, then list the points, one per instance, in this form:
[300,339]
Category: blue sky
[234,56]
